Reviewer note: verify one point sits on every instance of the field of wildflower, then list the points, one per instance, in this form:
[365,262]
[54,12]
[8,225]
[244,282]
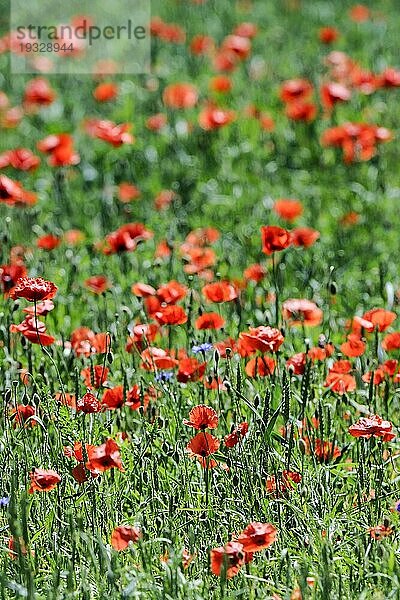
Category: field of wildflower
[199,311]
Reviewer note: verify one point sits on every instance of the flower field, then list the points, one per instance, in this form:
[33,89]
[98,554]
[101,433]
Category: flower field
[199,311]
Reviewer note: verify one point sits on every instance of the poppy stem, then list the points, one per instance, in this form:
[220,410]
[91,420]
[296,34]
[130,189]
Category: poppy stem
[276,287]
[206,479]
[47,353]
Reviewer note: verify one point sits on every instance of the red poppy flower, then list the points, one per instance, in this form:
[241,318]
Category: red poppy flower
[142,290]
[135,399]
[340,382]
[372,426]
[295,89]
[284,483]
[85,342]
[390,342]
[88,404]
[288,208]
[97,284]
[43,480]
[379,376]
[357,140]
[297,363]
[333,92]
[171,292]
[266,122]
[221,84]
[390,78]
[202,236]
[255,273]
[202,417]
[265,339]
[299,311]
[225,60]
[227,559]
[156,122]
[123,535]
[380,318]
[327,35]
[12,117]
[379,532]
[301,111]
[20,158]
[12,193]
[220,291]
[73,237]
[38,91]
[34,289]
[190,369]
[199,259]
[354,346]
[239,45]
[201,44]
[323,451]
[180,95]
[156,358]
[390,367]
[106,91]
[359,13]
[113,398]
[22,413]
[304,236]
[141,335]
[168,32]
[110,132]
[34,331]
[164,198]
[213,117]
[171,315]
[263,366]
[248,30]
[66,399]
[95,376]
[257,536]
[274,239]
[126,238]
[9,276]
[61,149]
[236,435]
[127,192]
[210,320]
[202,446]
[104,457]
[48,242]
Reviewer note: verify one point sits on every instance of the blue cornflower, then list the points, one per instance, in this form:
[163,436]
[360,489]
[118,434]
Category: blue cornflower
[202,348]
[164,376]
[4,501]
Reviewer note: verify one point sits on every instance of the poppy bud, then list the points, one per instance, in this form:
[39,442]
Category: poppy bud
[256,401]
[302,446]
[333,288]
[110,358]
[228,352]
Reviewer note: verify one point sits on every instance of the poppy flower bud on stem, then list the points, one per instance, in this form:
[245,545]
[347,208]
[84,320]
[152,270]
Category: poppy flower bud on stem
[302,446]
